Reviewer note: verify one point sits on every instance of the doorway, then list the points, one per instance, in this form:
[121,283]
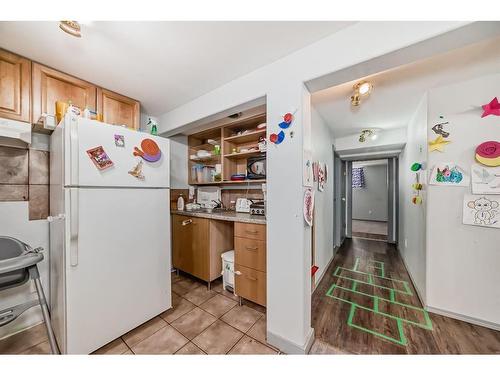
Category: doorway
[371,199]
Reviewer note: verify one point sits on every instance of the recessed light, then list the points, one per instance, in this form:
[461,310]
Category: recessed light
[71,27]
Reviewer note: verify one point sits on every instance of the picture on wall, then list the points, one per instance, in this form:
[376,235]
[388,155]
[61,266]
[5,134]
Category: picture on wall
[481,210]
[485,180]
[449,174]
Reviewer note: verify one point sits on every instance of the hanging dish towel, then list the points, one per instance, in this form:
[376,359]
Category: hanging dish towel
[358,178]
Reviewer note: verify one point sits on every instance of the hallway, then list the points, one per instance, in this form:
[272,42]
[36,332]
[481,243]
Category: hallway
[367,304]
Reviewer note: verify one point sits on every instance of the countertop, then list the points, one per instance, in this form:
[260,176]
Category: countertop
[224,215]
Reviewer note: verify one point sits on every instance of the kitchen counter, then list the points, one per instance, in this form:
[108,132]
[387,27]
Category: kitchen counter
[225,216]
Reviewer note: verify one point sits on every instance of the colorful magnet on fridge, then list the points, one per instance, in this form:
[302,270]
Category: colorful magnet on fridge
[150,150]
[119,140]
[492,108]
[137,171]
[287,121]
[488,153]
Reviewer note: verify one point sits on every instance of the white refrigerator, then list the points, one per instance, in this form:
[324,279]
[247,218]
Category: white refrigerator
[109,235]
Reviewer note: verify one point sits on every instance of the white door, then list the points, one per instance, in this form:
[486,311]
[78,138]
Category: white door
[118,266]
[82,135]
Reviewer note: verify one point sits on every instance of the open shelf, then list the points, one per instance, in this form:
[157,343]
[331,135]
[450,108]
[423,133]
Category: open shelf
[247,137]
[244,155]
[250,182]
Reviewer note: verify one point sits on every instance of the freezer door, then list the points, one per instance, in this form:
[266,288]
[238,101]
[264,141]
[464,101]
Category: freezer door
[82,135]
[118,263]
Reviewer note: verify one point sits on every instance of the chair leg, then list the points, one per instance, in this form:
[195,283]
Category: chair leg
[46,314]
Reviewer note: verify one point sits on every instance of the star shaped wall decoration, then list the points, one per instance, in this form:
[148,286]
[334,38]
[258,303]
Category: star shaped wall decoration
[438,144]
[492,108]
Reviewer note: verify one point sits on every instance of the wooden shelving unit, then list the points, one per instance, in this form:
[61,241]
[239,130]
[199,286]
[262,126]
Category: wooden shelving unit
[232,136]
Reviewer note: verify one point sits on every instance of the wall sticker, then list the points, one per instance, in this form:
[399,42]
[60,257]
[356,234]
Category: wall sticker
[448,174]
[481,210]
[488,153]
[492,108]
[438,144]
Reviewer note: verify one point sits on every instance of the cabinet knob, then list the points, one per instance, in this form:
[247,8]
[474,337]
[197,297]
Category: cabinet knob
[251,231]
[251,248]
[187,222]
[237,273]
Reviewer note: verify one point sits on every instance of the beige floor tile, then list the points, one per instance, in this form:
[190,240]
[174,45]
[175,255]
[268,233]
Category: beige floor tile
[218,305]
[218,338]
[253,305]
[241,317]
[180,307]
[217,287]
[193,323]
[42,348]
[185,285]
[165,341]
[23,340]
[258,330]
[248,345]
[190,348]
[114,347]
[199,295]
[143,331]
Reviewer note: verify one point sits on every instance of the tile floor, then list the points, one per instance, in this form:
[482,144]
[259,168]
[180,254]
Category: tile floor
[200,322]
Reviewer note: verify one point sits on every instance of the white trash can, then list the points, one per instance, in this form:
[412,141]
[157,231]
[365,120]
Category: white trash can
[228,270]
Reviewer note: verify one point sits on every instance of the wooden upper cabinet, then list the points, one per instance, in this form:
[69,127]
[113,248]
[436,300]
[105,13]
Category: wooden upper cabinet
[118,109]
[15,84]
[50,85]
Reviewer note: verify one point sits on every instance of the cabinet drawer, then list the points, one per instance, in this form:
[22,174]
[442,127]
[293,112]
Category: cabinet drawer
[253,231]
[250,284]
[250,253]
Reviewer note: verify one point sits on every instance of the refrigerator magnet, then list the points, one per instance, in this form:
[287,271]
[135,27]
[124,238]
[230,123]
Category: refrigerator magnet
[137,171]
[119,140]
[99,157]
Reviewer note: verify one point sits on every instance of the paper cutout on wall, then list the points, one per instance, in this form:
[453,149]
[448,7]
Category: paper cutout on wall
[307,170]
[439,128]
[492,108]
[448,174]
[277,138]
[481,210]
[99,157]
[438,144]
[287,121]
[321,176]
[150,150]
[309,206]
[485,180]
[488,153]
[315,171]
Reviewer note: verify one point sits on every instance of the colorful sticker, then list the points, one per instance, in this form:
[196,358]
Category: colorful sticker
[481,210]
[438,144]
[150,150]
[137,171]
[485,180]
[99,157]
[449,174]
[492,108]
[488,153]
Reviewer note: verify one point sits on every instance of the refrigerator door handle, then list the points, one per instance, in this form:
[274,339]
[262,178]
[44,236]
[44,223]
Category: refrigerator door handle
[73,247]
[73,149]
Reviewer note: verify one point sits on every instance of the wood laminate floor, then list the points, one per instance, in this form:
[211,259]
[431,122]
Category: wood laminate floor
[367,304]
[369,229]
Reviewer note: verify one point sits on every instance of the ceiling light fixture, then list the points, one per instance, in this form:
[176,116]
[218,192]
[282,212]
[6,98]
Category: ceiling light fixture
[362,88]
[71,27]
[367,133]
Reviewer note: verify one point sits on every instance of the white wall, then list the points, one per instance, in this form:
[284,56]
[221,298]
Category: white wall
[282,83]
[322,150]
[412,218]
[462,260]
[179,162]
[371,202]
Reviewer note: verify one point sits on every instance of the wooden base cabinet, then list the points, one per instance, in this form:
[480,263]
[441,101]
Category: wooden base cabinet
[197,245]
[250,262]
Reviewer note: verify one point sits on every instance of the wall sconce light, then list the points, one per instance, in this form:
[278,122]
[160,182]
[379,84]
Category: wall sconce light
[363,88]
[71,27]
[367,133]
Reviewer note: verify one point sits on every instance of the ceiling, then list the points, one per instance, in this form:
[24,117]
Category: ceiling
[162,64]
[397,92]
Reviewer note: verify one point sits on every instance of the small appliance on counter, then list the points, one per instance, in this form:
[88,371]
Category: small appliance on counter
[243,205]
[257,207]
[256,168]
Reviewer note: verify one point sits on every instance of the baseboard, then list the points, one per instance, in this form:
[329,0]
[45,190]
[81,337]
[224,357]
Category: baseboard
[289,347]
[335,249]
[465,318]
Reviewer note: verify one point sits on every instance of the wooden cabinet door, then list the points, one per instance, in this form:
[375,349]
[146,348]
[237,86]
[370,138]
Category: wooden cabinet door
[250,284]
[190,245]
[15,86]
[50,85]
[118,109]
